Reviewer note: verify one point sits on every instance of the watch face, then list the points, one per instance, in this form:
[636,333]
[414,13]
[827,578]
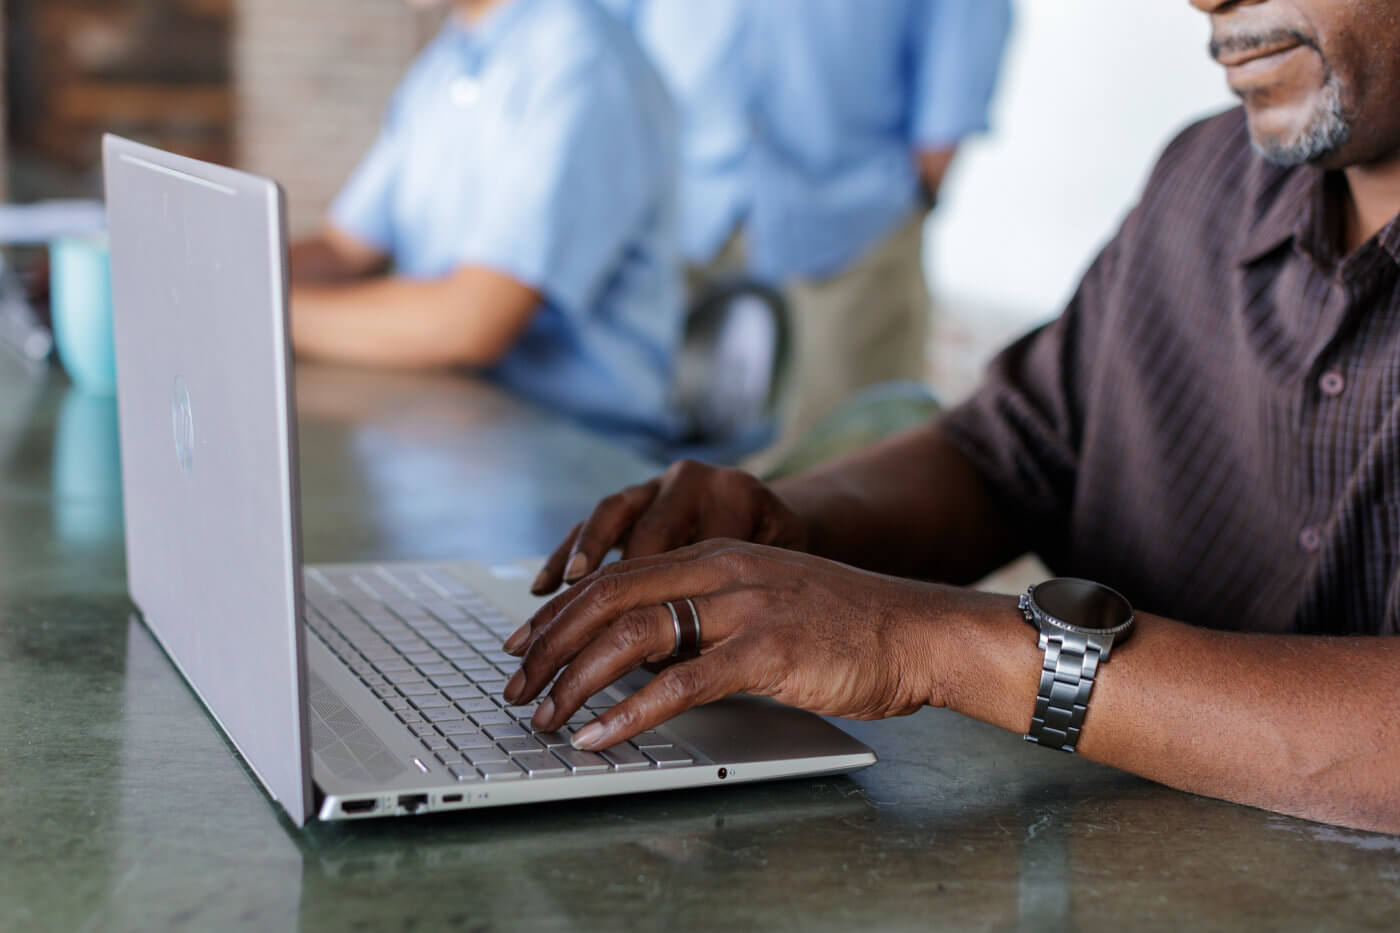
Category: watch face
[1082,603]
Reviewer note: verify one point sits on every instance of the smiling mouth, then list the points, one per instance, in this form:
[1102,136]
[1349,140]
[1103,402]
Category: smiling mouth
[1234,59]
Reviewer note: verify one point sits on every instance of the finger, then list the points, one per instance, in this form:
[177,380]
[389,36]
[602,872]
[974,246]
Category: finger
[636,637]
[678,688]
[605,528]
[553,573]
[551,610]
[606,597]
[670,522]
[728,512]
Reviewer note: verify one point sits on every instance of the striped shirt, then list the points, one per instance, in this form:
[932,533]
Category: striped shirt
[1213,425]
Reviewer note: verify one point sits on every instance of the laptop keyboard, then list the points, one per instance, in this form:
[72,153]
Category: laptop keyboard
[430,649]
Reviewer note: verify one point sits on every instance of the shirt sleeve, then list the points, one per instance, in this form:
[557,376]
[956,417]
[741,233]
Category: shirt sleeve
[364,207]
[579,172]
[956,56]
[1023,429]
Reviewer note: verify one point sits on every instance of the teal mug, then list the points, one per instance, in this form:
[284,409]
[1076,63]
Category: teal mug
[80,297]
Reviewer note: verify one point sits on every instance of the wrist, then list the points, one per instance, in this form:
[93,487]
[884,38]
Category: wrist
[993,663]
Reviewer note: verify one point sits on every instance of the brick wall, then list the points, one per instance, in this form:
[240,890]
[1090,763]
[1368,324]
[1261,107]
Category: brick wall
[157,70]
[312,78]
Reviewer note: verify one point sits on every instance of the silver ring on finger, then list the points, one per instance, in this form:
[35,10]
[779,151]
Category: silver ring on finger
[675,620]
[686,620]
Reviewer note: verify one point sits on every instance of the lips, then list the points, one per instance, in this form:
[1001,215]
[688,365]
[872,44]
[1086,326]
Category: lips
[1234,59]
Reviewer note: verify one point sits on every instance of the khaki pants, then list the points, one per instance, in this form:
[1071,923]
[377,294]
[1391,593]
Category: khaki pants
[869,323]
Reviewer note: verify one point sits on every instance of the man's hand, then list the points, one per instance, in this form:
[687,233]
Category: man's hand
[806,631]
[690,502]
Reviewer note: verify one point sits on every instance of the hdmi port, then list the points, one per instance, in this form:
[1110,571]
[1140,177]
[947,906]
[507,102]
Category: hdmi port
[358,806]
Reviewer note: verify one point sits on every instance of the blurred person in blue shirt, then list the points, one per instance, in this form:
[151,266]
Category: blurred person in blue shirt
[816,134]
[516,215]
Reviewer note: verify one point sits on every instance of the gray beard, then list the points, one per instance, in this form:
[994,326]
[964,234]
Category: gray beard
[1328,131]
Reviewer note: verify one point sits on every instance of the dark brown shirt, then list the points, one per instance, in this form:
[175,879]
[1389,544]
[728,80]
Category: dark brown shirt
[1213,425]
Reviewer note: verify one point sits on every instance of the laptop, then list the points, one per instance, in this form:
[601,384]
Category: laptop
[352,692]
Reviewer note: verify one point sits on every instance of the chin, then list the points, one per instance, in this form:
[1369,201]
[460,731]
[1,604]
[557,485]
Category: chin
[1314,132]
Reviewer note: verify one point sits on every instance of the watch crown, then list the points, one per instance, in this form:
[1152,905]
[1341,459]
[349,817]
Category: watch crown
[1023,602]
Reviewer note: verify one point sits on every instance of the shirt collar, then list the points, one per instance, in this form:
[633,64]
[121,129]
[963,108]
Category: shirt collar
[1300,213]
[482,37]
[1295,214]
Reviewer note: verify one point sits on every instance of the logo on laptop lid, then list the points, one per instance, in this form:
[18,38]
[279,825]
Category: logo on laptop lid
[182,423]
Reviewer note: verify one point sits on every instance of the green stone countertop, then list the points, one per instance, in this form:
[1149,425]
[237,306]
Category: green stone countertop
[123,808]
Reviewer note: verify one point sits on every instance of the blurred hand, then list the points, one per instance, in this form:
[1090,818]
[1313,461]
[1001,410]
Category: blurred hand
[806,631]
[690,502]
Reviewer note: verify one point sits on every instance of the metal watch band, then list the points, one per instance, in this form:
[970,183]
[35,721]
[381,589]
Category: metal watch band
[1066,677]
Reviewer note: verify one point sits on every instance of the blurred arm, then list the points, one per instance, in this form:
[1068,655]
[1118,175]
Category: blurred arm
[471,317]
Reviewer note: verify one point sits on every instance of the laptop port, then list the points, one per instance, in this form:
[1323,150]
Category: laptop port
[412,803]
[451,798]
[359,806]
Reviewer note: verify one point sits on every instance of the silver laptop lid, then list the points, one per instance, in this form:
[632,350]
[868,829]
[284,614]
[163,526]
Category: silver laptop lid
[208,444]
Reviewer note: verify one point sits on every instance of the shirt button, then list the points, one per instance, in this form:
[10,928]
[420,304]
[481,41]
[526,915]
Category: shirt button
[1332,383]
[466,91]
[1309,539]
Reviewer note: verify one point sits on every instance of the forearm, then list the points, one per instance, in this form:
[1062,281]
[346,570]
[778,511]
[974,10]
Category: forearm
[1301,725]
[396,322]
[912,506]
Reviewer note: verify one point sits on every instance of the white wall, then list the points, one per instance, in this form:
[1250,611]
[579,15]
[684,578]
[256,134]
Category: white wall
[1092,91]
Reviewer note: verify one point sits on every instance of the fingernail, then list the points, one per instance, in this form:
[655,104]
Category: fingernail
[516,642]
[513,687]
[578,566]
[539,585]
[544,714]
[589,737]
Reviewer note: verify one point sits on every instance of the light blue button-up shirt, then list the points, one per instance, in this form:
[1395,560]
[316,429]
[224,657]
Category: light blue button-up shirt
[802,116]
[540,142]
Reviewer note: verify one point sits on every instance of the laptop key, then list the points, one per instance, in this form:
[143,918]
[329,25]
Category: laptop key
[582,762]
[539,764]
[504,732]
[445,714]
[495,718]
[464,773]
[409,716]
[470,740]
[502,771]
[396,703]
[518,746]
[451,727]
[448,680]
[431,702]
[651,740]
[626,757]
[669,757]
[553,739]
[477,705]
[484,756]
[435,667]
[463,693]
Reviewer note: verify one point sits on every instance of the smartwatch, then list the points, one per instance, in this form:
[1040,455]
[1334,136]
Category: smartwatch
[1079,621]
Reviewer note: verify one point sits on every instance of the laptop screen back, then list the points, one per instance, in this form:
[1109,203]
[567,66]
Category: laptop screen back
[208,444]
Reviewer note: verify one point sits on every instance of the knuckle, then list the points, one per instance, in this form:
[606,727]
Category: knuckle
[611,503]
[604,590]
[633,631]
[680,683]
